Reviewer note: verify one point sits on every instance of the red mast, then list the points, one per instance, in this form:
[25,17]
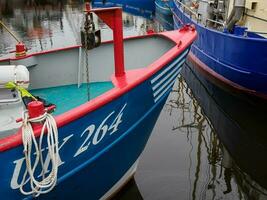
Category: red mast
[113,18]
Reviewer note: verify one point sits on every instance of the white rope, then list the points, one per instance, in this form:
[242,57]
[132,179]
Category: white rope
[47,182]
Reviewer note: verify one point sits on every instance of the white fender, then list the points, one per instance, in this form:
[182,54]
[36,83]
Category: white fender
[15,73]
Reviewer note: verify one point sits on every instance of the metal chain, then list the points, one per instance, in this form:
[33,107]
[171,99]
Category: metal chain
[87,74]
[86,28]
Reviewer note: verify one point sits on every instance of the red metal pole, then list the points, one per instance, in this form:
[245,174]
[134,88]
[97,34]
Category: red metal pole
[118,44]
[113,18]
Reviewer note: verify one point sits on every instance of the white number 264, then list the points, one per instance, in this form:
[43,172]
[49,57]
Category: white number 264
[95,137]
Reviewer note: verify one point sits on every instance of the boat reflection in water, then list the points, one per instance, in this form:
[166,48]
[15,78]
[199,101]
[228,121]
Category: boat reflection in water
[46,24]
[165,20]
[129,192]
[236,144]
[138,19]
[207,144]
[144,8]
[41,25]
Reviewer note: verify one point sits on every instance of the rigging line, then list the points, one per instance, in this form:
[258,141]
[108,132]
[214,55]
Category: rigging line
[190,164]
[207,169]
[200,121]
[255,17]
[9,31]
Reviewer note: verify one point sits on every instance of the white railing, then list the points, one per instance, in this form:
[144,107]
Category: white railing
[192,12]
[214,21]
[256,32]
[185,7]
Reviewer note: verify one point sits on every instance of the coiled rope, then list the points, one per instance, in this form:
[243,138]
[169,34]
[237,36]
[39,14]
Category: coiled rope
[47,182]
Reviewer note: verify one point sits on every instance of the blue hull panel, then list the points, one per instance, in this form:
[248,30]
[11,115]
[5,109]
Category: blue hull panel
[238,59]
[112,165]
[97,149]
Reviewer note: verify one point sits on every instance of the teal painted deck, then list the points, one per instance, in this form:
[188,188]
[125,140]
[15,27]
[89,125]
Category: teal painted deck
[70,96]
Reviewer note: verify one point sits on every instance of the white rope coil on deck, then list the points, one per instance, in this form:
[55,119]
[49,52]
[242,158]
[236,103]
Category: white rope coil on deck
[47,182]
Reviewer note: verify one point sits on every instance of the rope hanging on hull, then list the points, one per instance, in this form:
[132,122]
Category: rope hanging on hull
[47,182]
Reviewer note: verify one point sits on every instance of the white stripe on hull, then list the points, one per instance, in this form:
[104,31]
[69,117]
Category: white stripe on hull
[166,77]
[164,91]
[163,81]
[173,75]
[169,67]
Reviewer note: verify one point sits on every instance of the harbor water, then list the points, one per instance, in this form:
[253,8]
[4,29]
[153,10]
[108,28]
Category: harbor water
[209,141]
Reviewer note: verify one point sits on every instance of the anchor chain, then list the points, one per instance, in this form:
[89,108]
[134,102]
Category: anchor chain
[87,75]
[90,38]
[87,26]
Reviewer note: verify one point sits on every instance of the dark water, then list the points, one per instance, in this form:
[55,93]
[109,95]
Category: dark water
[209,142]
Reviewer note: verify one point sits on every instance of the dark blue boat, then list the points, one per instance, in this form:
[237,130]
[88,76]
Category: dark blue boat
[238,58]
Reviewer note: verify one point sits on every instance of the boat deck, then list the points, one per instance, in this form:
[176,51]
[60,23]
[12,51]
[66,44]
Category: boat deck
[70,96]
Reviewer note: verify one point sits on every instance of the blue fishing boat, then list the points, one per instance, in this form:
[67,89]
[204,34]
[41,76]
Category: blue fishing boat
[106,106]
[164,6]
[234,54]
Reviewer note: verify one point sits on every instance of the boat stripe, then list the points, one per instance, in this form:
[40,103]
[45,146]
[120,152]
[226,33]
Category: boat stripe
[166,83]
[169,74]
[165,71]
[164,91]
[169,67]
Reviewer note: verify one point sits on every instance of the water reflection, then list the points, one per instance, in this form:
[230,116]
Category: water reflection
[40,24]
[209,169]
[134,25]
[129,192]
[239,122]
[144,8]
[165,20]
[46,24]
[209,143]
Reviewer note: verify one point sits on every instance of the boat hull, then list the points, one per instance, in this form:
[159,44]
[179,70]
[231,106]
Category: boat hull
[98,148]
[96,179]
[238,61]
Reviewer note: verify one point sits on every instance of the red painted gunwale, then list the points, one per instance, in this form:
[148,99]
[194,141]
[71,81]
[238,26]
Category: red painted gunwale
[181,38]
